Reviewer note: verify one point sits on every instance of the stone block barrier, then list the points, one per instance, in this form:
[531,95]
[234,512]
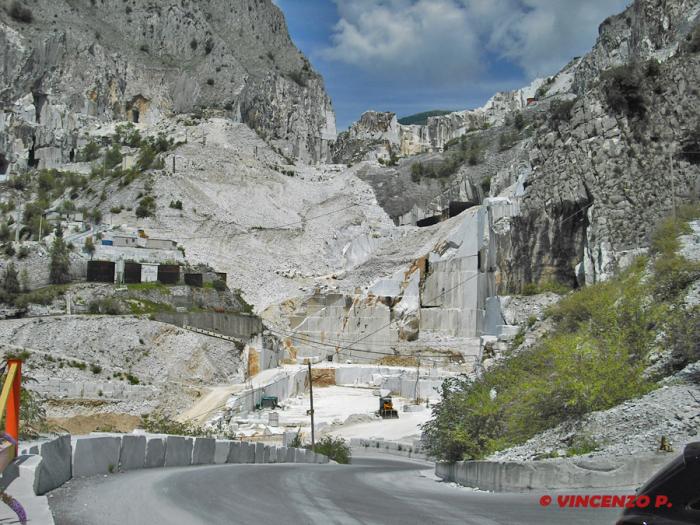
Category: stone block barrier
[53,462]
[394,448]
[553,474]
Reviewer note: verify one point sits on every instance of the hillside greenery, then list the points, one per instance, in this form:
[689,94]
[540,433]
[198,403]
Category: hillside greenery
[593,359]
[48,190]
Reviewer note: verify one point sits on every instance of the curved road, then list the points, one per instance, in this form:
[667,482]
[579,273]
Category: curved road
[375,489]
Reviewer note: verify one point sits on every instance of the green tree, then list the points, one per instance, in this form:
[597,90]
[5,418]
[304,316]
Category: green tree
[519,121]
[89,247]
[114,156]
[59,267]
[11,282]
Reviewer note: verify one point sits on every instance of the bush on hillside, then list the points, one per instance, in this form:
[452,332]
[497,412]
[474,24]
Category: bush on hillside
[90,152]
[336,449]
[146,207]
[622,87]
[560,110]
[158,423]
[594,358]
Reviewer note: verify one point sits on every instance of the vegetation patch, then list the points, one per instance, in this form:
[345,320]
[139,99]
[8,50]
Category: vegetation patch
[144,307]
[336,449]
[623,90]
[594,358]
[158,423]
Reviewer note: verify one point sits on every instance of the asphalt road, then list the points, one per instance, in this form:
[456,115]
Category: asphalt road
[375,489]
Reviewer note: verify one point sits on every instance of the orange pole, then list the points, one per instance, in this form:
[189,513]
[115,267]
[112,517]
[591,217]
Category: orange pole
[12,415]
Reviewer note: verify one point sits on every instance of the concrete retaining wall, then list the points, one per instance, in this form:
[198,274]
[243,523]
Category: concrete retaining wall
[573,473]
[234,325]
[283,386]
[62,458]
[94,455]
[390,447]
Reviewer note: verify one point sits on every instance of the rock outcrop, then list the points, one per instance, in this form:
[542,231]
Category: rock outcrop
[376,136]
[79,63]
[605,174]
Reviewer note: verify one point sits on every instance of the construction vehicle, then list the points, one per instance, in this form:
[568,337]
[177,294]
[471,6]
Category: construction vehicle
[386,408]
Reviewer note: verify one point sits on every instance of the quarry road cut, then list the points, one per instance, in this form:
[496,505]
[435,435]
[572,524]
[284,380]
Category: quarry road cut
[374,489]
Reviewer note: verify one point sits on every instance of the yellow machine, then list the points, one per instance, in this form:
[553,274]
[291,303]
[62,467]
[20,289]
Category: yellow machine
[386,408]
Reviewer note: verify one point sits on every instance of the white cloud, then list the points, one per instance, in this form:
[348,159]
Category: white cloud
[434,41]
[415,39]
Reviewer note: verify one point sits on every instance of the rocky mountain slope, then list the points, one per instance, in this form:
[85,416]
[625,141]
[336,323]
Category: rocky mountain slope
[406,247]
[602,150]
[73,62]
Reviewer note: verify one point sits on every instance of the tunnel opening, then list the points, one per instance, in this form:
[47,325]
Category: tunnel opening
[135,115]
[429,221]
[4,164]
[39,100]
[457,207]
[32,161]
[71,155]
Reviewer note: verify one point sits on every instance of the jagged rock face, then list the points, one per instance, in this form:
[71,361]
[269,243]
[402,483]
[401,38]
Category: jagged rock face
[602,181]
[374,136]
[142,61]
[648,28]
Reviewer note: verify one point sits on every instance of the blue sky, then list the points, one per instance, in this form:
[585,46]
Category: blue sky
[408,56]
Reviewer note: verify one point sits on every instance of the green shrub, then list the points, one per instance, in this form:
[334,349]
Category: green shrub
[146,207]
[544,287]
[602,333]
[43,296]
[622,87]
[519,120]
[507,140]
[219,285]
[673,272]
[416,172]
[90,152]
[23,252]
[560,110]
[486,185]
[582,444]
[95,368]
[158,423]
[59,266]
[335,448]
[128,135]
[113,157]
[296,440]
[652,69]
[10,283]
[176,205]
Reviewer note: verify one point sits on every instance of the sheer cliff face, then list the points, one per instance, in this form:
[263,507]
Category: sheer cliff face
[602,180]
[149,60]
